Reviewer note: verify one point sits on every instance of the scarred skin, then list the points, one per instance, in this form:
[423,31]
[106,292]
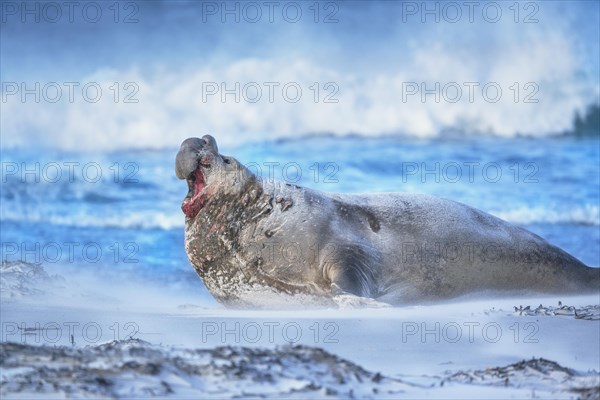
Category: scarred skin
[260,244]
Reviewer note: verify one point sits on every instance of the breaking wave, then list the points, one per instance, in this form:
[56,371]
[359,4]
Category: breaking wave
[586,215]
[310,78]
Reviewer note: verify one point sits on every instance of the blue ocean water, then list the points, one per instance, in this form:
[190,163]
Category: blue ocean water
[550,186]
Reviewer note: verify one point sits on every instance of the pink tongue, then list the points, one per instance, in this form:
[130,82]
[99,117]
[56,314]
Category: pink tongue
[192,207]
[198,183]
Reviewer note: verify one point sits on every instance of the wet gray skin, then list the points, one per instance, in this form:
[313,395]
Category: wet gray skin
[262,243]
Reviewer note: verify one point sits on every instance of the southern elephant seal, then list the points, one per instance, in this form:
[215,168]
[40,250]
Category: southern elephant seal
[256,242]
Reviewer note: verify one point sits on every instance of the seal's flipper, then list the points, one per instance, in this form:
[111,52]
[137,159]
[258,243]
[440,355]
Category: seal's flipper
[351,269]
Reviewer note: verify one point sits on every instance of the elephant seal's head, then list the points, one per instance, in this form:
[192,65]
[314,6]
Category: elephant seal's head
[206,172]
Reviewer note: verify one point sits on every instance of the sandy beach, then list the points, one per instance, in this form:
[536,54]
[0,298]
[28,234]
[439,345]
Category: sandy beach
[114,346]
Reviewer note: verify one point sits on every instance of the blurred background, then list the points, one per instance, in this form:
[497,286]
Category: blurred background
[494,104]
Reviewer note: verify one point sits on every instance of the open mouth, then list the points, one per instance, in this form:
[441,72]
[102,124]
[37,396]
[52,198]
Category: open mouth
[194,201]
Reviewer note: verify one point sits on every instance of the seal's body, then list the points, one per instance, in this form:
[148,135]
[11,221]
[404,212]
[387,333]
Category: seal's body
[255,243]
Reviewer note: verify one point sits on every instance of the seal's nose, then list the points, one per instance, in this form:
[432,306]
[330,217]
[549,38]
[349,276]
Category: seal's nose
[190,151]
[186,160]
